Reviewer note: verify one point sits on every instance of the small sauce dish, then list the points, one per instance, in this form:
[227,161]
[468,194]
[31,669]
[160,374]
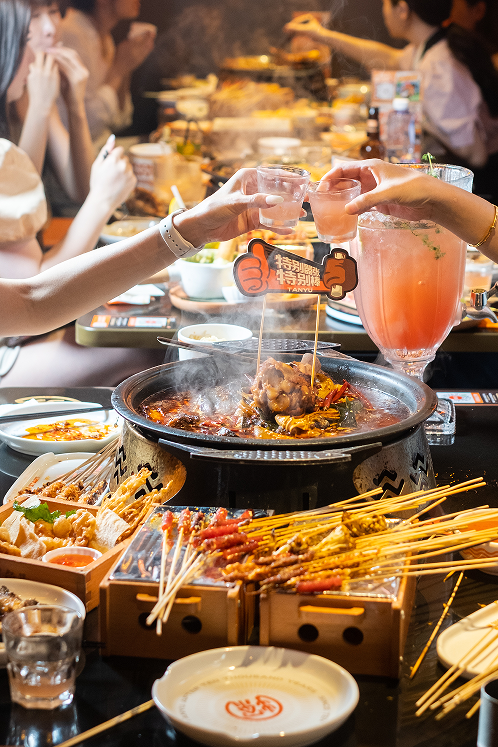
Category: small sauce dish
[72,556]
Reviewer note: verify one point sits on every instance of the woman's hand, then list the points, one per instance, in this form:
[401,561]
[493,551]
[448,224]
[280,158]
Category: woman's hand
[74,76]
[43,82]
[112,178]
[395,190]
[305,24]
[231,211]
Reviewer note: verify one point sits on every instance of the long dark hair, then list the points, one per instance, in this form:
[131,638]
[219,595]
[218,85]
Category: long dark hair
[15,16]
[466,47]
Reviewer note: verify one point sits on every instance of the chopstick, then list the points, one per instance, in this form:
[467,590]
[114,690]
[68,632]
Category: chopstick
[53,414]
[107,724]
[206,349]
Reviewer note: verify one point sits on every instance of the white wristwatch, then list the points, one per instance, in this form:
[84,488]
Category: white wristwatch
[173,239]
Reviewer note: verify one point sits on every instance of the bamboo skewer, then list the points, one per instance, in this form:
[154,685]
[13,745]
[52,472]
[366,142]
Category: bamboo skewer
[261,327]
[107,724]
[186,557]
[427,646]
[317,325]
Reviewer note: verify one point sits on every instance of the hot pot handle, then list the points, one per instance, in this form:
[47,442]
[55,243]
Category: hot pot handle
[241,456]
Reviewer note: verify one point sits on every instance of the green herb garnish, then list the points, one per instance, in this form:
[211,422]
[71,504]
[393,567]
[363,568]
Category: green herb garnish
[430,158]
[41,512]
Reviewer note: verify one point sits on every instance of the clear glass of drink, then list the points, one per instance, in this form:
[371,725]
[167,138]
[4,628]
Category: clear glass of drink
[411,277]
[290,183]
[478,272]
[328,200]
[43,646]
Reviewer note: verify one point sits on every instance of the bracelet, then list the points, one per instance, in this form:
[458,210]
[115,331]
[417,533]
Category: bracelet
[174,240]
[490,229]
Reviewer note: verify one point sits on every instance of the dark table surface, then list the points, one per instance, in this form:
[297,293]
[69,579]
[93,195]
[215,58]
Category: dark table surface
[385,714]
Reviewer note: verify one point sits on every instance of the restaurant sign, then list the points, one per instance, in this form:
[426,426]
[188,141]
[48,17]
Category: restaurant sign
[270,269]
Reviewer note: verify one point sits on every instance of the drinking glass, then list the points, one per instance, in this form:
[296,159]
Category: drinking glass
[43,647]
[290,183]
[328,200]
[478,272]
[410,286]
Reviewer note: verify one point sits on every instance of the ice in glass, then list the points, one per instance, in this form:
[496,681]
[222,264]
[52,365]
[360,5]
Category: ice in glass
[328,200]
[288,182]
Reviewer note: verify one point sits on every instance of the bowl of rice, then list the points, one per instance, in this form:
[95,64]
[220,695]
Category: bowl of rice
[207,334]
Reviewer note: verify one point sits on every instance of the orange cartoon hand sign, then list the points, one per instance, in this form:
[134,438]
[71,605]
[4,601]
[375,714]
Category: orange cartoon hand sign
[339,274]
[252,273]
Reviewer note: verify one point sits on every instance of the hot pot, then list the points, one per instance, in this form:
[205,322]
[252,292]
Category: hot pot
[290,475]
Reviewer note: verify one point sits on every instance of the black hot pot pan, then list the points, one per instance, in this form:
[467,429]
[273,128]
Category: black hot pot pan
[417,399]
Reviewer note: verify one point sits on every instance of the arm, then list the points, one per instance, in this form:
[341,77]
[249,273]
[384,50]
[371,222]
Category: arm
[111,182]
[60,294]
[130,54]
[72,151]
[43,89]
[405,193]
[370,54]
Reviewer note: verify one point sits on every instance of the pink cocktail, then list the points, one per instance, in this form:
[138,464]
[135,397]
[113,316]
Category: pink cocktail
[328,200]
[288,182]
[410,285]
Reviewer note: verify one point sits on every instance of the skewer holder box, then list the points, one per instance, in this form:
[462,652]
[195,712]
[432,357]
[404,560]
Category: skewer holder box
[363,632]
[207,613]
[84,582]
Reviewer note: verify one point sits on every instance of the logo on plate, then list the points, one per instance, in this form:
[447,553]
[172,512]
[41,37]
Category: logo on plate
[259,708]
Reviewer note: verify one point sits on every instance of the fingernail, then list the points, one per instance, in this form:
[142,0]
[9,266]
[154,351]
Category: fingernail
[111,139]
[274,199]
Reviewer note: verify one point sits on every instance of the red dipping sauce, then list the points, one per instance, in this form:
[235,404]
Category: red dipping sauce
[74,560]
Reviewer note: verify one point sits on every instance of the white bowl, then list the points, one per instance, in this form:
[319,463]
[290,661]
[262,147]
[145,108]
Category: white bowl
[11,433]
[221,331]
[44,594]
[124,229]
[71,550]
[204,280]
[255,694]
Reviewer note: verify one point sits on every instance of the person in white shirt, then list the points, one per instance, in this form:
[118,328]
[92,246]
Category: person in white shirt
[67,153]
[87,28]
[460,84]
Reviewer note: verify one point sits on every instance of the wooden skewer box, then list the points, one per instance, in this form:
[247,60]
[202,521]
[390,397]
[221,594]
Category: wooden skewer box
[364,634]
[202,617]
[84,582]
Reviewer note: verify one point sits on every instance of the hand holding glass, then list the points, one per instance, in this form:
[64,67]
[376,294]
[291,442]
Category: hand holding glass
[288,182]
[43,646]
[328,200]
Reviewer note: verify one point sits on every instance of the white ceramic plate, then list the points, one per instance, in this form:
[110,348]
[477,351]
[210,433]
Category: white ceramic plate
[124,229]
[12,433]
[44,594]
[45,468]
[255,694]
[457,640]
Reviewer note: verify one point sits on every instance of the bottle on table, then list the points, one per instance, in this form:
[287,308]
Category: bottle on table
[373,147]
[400,133]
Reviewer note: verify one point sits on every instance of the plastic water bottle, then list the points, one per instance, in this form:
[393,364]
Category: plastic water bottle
[400,133]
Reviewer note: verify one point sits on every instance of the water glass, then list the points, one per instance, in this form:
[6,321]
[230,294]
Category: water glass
[328,200]
[290,183]
[43,646]
[478,272]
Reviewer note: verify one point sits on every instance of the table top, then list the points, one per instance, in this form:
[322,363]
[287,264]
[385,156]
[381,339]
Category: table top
[124,325]
[385,714]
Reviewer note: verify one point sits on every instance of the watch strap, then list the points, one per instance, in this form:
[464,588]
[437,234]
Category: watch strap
[174,240]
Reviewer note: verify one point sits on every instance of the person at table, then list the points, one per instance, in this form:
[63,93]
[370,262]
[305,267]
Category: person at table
[87,28]
[408,194]
[460,100]
[479,17]
[56,296]
[64,155]
[55,358]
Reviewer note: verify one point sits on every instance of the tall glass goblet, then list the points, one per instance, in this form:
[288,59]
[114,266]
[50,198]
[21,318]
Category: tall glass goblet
[411,277]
